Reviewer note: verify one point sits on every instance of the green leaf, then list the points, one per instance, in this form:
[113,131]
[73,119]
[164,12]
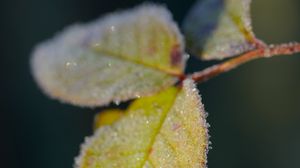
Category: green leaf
[217,29]
[164,130]
[121,56]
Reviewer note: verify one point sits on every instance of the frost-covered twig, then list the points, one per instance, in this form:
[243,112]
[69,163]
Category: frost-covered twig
[262,52]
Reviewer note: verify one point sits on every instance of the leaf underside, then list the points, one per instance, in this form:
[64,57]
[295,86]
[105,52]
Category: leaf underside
[164,130]
[217,29]
[121,56]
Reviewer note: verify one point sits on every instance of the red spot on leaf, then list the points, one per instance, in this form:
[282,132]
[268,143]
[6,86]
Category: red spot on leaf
[150,151]
[176,127]
[176,55]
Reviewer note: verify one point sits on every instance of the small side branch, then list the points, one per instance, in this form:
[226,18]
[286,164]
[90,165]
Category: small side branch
[262,52]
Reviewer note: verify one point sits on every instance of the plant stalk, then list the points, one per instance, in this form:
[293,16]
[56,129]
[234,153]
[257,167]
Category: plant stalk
[261,52]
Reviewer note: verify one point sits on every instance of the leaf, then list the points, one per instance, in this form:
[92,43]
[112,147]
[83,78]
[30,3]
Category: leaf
[107,117]
[165,130]
[217,29]
[121,56]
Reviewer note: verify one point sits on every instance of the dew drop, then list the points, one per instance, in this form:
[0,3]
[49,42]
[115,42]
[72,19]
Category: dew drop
[138,158]
[140,74]
[137,96]
[186,56]
[117,102]
[96,45]
[207,124]
[112,28]
[70,64]
[267,53]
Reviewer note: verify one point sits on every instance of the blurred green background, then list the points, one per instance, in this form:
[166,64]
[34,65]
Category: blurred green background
[254,111]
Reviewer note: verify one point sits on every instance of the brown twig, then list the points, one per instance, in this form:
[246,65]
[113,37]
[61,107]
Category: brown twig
[261,52]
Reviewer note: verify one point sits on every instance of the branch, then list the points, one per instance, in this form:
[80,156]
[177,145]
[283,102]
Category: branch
[262,52]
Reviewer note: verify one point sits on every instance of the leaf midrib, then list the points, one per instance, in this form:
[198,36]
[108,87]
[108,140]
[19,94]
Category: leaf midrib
[109,54]
[157,131]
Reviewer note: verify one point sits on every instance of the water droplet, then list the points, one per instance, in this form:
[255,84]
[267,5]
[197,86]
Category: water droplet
[112,28]
[96,45]
[186,56]
[137,158]
[267,53]
[117,102]
[70,64]
[194,90]
[137,96]
[207,125]
[140,74]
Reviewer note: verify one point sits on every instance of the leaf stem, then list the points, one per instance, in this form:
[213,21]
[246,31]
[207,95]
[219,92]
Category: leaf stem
[261,52]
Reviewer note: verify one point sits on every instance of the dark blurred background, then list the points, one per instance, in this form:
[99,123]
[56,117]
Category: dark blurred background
[254,111]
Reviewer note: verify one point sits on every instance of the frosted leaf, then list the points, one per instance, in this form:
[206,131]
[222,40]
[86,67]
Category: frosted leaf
[121,56]
[216,29]
[165,130]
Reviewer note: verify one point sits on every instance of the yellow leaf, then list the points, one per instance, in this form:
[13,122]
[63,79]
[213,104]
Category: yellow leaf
[121,56]
[217,29]
[107,117]
[165,130]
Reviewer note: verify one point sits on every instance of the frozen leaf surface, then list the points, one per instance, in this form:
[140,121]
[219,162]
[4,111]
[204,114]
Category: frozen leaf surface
[165,130]
[118,57]
[216,29]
